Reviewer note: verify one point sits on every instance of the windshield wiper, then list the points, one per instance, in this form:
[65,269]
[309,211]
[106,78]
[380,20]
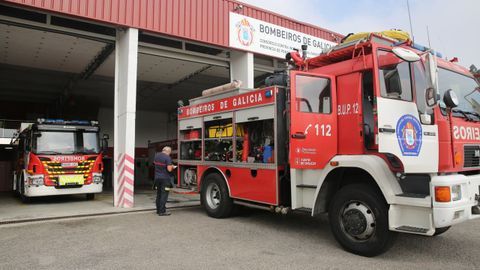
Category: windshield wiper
[85,151]
[52,153]
[468,115]
[474,113]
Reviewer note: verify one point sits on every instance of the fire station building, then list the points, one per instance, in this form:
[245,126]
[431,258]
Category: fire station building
[126,64]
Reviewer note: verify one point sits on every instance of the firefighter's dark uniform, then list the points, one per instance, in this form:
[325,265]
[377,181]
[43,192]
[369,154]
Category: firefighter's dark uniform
[162,180]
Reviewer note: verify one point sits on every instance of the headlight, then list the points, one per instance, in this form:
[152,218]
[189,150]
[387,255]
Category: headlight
[97,178]
[36,180]
[456,193]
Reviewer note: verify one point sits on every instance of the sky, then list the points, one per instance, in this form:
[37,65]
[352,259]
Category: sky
[454,25]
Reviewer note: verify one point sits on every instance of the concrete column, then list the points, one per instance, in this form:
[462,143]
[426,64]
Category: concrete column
[126,53]
[242,68]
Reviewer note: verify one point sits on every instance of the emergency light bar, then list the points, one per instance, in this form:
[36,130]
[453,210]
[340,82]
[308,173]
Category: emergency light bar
[424,49]
[67,122]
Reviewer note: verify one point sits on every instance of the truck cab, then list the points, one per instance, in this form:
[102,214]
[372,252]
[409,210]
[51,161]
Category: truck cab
[405,119]
[58,157]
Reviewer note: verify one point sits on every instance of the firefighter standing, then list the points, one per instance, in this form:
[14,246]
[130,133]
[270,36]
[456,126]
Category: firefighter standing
[163,178]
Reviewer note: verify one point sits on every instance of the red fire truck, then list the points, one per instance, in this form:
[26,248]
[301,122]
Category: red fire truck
[58,157]
[358,132]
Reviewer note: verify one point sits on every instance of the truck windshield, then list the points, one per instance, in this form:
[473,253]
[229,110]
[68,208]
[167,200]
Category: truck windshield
[63,142]
[466,89]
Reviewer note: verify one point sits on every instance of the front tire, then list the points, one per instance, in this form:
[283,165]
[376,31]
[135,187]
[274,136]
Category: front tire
[359,220]
[90,196]
[21,191]
[215,198]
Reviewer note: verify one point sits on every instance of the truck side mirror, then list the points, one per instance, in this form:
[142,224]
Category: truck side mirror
[105,143]
[406,55]
[431,97]
[432,71]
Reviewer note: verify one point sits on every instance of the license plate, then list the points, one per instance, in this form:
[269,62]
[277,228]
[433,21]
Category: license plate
[71,179]
[71,164]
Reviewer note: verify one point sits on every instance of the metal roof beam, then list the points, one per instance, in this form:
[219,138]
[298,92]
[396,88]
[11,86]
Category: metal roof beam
[145,93]
[97,61]
[36,98]
[86,73]
[56,29]
[178,54]
[25,92]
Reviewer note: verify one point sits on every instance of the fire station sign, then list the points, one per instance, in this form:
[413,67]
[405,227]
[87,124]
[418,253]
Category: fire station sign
[269,39]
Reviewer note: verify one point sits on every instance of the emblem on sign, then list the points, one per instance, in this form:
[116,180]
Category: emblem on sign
[245,32]
[409,135]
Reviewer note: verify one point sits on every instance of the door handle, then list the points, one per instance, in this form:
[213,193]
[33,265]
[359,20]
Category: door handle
[299,135]
[386,130]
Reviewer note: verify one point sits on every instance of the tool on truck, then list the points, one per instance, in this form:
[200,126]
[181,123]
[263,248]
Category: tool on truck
[58,157]
[475,72]
[358,132]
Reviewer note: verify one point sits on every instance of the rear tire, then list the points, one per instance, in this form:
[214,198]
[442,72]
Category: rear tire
[215,198]
[90,196]
[359,220]
[439,231]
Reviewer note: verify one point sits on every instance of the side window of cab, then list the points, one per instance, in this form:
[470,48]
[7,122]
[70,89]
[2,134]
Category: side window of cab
[313,94]
[394,76]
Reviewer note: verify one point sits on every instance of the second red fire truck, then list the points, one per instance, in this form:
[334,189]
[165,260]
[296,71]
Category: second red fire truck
[382,135]
[58,157]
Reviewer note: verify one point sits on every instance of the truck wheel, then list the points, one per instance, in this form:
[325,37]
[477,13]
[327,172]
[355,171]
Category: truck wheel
[24,198]
[439,231]
[359,220]
[90,196]
[18,189]
[215,198]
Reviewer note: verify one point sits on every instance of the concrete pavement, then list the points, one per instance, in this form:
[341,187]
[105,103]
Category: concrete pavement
[191,240]
[13,210]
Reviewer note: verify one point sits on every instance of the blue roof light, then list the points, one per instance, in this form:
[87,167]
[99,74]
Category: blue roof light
[424,49]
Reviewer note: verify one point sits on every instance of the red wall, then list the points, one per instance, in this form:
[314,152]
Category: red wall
[200,20]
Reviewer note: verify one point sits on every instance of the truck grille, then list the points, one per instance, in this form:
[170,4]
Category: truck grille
[54,169]
[471,156]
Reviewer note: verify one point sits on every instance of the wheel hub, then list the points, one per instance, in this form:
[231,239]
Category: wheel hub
[358,221]
[213,195]
[355,222]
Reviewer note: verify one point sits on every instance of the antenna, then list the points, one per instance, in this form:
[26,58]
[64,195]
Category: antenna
[410,20]
[428,37]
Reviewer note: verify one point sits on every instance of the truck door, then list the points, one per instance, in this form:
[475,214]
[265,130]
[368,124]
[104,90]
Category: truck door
[313,122]
[400,131]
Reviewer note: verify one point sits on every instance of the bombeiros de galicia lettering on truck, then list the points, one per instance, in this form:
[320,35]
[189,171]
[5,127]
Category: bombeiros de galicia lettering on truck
[378,132]
[58,157]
